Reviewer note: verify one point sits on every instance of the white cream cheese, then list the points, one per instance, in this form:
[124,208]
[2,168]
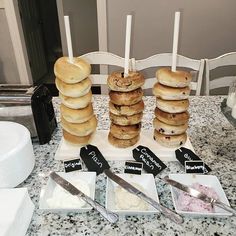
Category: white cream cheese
[63,199]
[128,201]
[231,100]
[234,111]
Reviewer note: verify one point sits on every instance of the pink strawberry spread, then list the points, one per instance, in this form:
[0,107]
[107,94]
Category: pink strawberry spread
[187,203]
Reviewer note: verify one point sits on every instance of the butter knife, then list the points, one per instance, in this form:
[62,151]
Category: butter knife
[130,188]
[110,216]
[197,194]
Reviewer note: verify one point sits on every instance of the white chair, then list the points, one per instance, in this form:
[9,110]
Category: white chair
[228,59]
[103,59]
[165,59]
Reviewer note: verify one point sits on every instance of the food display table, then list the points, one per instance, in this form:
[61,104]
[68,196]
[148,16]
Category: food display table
[213,139]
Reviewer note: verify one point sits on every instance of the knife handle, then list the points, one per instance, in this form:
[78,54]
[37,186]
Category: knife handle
[225,207]
[110,216]
[164,210]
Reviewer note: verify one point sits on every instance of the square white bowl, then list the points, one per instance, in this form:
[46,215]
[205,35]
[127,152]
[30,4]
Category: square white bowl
[207,180]
[47,192]
[148,184]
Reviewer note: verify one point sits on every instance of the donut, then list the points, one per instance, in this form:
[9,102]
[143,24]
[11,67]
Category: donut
[74,90]
[170,141]
[172,118]
[80,129]
[126,120]
[169,93]
[71,73]
[77,115]
[126,98]
[126,110]
[76,103]
[117,82]
[125,132]
[122,143]
[76,140]
[178,79]
[166,129]
[172,106]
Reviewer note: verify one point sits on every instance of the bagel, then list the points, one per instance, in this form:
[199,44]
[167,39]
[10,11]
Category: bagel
[74,90]
[170,141]
[172,118]
[77,115]
[71,73]
[117,82]
[169,93]
[76,103]
[122,143]
[76,140]
[80,129]
[126,110]
[170,78]
[126,98]
[166,129]
[126,120]
[172,106]
[125,132]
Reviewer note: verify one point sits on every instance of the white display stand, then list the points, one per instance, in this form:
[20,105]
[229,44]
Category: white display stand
[66,151]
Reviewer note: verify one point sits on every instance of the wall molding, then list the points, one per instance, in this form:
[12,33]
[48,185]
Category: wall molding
[18,41]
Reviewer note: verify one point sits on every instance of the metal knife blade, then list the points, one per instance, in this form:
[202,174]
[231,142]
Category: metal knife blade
[197,194]
[130,188]
[110,216]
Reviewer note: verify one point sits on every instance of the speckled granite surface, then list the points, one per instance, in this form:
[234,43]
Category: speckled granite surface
[214,140]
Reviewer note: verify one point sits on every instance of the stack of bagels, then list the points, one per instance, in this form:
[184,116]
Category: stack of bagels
[171,116]
[77,117]
[125,108]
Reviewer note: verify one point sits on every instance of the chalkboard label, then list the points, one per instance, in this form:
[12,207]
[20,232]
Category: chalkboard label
[93,159]
[72,165]
[197,167]
[133,167]
[151,163]
[184,154]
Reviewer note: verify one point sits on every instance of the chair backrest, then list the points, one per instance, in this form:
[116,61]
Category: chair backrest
[158,60]
[165,59]
[228,59]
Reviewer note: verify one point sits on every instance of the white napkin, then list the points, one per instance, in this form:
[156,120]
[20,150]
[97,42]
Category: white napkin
[16,210]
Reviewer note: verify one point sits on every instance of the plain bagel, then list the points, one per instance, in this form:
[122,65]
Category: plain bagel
[71,73]
[117,82]
[172,118]
[169,93]
[170,78]
[126,120]
[126,110]
[172,106]
[76,140]
[166,129]
[125,132]
[80,129]
[170,141]
[74,90]
[77,115]
[126,98]
[122,143]
[76,103]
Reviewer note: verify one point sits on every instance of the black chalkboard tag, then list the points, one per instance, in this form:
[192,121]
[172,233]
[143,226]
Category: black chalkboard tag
[72,165]
[151,163]
[93,159]
[184,154]
[133,167]
[195,167]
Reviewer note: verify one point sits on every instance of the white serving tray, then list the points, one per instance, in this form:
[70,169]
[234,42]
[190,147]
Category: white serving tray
[66,151]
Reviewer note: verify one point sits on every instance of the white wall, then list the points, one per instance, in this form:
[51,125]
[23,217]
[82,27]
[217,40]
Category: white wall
[207,28]
[8,67]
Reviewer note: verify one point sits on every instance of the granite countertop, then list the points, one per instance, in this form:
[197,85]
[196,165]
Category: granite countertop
[214,140]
